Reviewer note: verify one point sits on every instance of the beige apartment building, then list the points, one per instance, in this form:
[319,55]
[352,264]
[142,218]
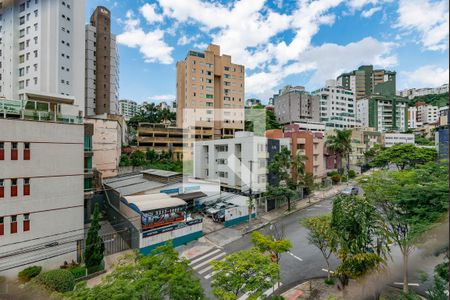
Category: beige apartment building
[210,92]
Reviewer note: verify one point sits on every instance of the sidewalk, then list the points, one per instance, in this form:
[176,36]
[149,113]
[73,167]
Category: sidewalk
[316,197]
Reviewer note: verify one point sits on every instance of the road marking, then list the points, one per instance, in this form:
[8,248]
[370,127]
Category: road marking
[294,256]
[210,275]
[411,284]
[205,270]
[268,292]
[208,261]
[325,270]
[204,256]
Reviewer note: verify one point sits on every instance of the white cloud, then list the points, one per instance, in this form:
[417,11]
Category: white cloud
[429,19]
[200,46]
[184,39]
[326,61]
[370,12]
[160,98]
[151,44]
[149,13]
[425,76]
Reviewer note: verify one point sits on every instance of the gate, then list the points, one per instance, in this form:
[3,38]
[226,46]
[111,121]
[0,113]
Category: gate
[117,241]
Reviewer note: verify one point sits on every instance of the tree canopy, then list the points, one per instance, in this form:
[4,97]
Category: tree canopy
[246,271]
[271,244]
[340,143]
[162,275]
[151,113]
[403,156]
[93,254]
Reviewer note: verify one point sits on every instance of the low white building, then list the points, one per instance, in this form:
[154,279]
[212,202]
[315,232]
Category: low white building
[391,139]
[427,114]
[337,106]
[412,118]
[41,186]
[412,93]
[239,163]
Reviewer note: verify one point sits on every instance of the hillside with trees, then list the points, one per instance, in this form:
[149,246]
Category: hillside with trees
[433,99]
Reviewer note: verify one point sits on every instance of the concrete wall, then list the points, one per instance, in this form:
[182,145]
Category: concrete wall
[106,145]
[55,203]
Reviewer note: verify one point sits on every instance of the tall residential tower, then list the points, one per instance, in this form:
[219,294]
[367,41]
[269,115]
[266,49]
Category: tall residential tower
[214,86]
[102,65]
[41,47]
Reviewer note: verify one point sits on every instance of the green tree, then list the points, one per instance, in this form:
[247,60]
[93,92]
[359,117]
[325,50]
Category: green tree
[271,120]
[138,158]
[124,160]
[420,140]
[93,253]
[372,152]
[340,143]
[281,167]
[271,244]
[281,192]
[246,271]
[162,275]
[322,236]
[403,156]
[152,156]
[410,202]
[361,237]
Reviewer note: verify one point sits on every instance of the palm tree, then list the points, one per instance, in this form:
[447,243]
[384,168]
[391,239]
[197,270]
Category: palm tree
[340,143]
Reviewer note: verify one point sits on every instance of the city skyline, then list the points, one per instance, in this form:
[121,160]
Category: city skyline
[285,45]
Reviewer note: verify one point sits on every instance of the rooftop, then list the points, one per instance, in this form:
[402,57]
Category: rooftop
[153,202]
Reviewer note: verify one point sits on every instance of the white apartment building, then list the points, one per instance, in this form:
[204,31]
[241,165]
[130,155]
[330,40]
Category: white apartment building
[91,70]
[337,106]
[412,93]
[41,186]
[128,108]
[238,163]
[412,118]
[427,114]
[41,49]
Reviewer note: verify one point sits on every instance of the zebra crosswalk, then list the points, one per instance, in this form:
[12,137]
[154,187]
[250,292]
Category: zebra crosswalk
[202,263]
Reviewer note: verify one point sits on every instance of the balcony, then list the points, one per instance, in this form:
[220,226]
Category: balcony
[36,111]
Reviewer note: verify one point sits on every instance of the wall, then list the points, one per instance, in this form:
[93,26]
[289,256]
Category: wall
[55,203]
[106,145]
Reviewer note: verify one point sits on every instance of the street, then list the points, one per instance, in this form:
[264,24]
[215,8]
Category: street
[304,261]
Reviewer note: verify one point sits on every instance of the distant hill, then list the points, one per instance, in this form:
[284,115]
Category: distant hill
[433,99]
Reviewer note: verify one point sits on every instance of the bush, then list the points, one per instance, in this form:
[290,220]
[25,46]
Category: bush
[336,178]
[351,174]
[29,273]
[78,272]
[57,280]
[332,173]
[344,178]
[329,281]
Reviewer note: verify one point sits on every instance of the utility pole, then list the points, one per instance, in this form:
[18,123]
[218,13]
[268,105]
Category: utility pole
[250,196]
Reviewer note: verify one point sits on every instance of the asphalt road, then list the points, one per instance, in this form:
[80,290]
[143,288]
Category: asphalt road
[305,261]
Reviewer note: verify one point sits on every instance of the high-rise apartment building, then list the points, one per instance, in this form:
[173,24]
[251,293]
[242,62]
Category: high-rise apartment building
[128,108]
[214,86]
[102,65]
[383,113]
[41,47]
[294,105]
[337,106]
[366,81]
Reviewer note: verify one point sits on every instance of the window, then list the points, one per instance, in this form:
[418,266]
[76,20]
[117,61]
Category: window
[14,153]
[2,225]
[22,7]
[22,46]
[21,59]
[36,13]
[13,224]
[26,151]
[2,150]
[21,33]
[2,188]
[21,84]
[22,20]
[35,53]
[13,187]
[227,68]
[26,222]
[21,72]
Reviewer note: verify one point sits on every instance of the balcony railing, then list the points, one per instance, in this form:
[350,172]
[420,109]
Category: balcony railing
[20,109]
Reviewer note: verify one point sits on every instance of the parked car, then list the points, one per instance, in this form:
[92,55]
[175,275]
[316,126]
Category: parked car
[350,191]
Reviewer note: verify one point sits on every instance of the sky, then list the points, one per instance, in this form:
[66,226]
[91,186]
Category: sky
[279,42]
